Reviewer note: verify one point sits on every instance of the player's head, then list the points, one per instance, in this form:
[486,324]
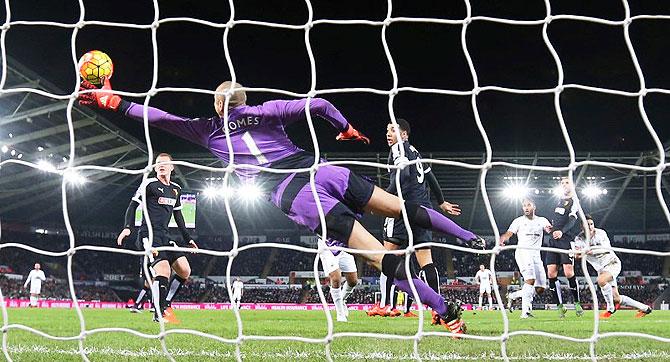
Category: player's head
[37,266]
[481,267]
[238,98]
[566,184]
[391,136]
[590,223]
[163,169]
[528,206]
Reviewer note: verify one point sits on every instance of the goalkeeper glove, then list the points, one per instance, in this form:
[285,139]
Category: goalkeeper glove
[351,134]
[103,99]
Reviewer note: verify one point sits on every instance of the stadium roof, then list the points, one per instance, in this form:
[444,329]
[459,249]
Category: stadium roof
[39,131]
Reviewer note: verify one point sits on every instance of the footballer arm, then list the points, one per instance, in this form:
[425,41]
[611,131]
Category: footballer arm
[129,221]
[194,130]
[181,225]
[505,237]
[291,111]
[436,190]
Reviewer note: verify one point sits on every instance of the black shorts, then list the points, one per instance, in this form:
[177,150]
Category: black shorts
[395,232]
[559,258]
[169,255]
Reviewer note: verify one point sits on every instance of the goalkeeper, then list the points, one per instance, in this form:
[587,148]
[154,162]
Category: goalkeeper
[258,138]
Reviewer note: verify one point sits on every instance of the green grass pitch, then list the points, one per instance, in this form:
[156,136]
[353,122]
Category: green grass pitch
[117,346]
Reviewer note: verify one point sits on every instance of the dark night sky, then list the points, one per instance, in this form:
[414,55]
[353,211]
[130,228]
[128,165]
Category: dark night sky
[426,55]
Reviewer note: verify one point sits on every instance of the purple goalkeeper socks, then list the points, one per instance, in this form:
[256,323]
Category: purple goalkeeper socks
[426,294]
[444,225]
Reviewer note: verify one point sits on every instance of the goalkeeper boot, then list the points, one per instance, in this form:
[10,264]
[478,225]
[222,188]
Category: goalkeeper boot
[643,313]
[375,311]
[410,314]
[394,313]
[561,311]
[477,242]
[578,309]
[509,304]
[452,318]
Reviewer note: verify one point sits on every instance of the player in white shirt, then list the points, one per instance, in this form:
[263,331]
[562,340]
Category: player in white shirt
[529,229]
[238,290]
[484,278]
[35,279]
[608,266]
[335,263]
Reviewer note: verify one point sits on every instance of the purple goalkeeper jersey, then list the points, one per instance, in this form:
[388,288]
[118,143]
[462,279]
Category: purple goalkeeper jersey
[257,133]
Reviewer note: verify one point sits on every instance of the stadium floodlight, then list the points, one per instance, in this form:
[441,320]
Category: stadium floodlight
[216,191]
[74,178]
[5,148]
[515,191]
[249,192]
[20,156]
[558,191]
[40,148]
[45,165]
[13,153]
[592,191]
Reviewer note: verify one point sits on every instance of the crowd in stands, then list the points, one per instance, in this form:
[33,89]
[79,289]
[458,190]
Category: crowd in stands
[89,266]
[57,290]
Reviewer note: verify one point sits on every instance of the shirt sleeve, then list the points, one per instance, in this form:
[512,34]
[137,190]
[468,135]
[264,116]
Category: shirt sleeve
[138,194]
[514,226]
[606,240]
[178,206]
[575,207]
[289,112]
[435,188]
[545,222]
[195,130]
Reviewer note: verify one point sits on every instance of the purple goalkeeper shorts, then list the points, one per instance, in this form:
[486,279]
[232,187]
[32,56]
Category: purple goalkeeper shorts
[342,194]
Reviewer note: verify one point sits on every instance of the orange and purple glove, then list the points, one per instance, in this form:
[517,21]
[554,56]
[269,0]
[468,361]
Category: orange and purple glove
[351,134]
[103,99]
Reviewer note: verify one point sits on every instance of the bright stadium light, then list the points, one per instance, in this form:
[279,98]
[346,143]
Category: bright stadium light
[515,191]
[558,191]
[249,192]
[216,191]
[74,178]
[45,165]
[593,192]
[5,148]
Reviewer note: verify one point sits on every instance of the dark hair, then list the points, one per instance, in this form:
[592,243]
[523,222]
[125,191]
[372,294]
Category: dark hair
[403,124]
[588,217]
[528,199]
[165,154]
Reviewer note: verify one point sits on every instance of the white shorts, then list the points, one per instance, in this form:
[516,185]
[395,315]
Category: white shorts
[35,289]
[237,296]
[531,267]
[613,268]
[485,288]
[343,261]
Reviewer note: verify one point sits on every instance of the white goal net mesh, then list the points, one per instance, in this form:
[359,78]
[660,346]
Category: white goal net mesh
[228,26]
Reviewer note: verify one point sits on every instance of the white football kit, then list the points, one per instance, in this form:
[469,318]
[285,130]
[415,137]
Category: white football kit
[484,281]
[601,260]
[237,291]
[530,233]
[35,279]
[331,262]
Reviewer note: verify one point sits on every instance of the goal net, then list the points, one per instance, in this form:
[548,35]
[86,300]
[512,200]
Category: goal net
[228,26]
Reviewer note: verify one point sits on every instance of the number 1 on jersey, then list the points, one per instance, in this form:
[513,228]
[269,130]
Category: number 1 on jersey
[253,148]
